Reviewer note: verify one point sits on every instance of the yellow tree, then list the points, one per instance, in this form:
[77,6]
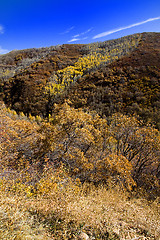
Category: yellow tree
[82,142]
[140,145]
[18,135]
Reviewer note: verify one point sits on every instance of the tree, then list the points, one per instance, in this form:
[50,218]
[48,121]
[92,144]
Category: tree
[139,144]
[83,143]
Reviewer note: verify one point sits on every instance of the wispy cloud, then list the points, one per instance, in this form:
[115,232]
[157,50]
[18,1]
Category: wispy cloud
[83,33]
[68,30]
[74,40]
[77,39]
[3,51]
[1,29]
[103,34]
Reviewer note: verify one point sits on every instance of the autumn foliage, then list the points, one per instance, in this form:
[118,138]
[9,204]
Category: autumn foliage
[123,151]
[80,152]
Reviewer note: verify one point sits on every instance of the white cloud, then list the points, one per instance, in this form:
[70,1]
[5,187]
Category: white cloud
[3,51]
[74,40]
[103,34]
[1,29]
[68,30]
[83,33]
[77,39]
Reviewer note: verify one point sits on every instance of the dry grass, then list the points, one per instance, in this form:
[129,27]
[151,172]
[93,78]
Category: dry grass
[17,223]
[102,214]
[111,211]
[62,208]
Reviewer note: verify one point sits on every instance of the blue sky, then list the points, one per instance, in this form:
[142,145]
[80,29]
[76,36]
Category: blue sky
[41,23]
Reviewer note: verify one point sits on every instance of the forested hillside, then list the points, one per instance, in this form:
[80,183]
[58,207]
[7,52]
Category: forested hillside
[115,76]
[130,85]
[24,74]
[80,141]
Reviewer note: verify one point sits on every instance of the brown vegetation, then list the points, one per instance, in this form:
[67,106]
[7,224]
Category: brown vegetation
[90,164]
[24,91]
[130,85]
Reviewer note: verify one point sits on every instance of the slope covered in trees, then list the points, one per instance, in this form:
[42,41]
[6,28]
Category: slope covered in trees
[30,88]
[122,151]
[81,153]
[114,76]
[130,85]
[58,176]
[24,74]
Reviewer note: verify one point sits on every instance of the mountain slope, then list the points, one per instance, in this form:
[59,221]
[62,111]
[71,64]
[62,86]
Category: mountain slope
[76,173]
[121,75]
[129,85]
[24,80]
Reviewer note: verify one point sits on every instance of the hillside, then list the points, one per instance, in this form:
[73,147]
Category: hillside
[114,76]
[23,83]
[130,84]
[80,141]
[24,74]
[76,175]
